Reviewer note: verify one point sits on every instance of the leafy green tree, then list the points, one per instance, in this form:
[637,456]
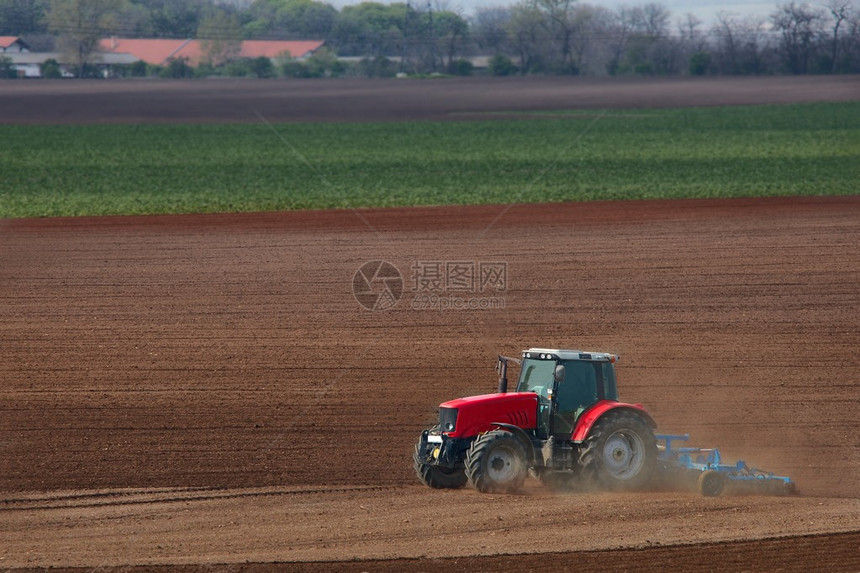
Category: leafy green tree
[300,18]
[323,58]
[321,63]
[177,68]
[236,69]
[137,69]
[80,25]
[50,69]
[220,37]
[370,28]
[452,31]
[291,68]
[501,65]
[205,70]
[527,35]
[378,67]
[133,20]
[22,16]
[461,67]
[261,67]
[489,28]
[7,68]
[174,18]
[700,62]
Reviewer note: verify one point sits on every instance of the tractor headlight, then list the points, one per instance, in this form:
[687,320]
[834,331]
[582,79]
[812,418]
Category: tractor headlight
[449,426]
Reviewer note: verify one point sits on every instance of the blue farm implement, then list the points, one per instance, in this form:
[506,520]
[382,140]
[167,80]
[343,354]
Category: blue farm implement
[704,469]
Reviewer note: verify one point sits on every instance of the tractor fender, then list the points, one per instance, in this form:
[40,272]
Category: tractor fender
[522,437]
[588,418]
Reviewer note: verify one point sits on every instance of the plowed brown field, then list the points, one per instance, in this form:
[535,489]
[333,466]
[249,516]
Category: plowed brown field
[183,391]
[220,367]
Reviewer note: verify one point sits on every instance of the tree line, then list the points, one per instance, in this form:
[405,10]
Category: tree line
[530,36]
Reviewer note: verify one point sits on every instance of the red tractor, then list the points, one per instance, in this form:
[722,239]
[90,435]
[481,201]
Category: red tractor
[564,423]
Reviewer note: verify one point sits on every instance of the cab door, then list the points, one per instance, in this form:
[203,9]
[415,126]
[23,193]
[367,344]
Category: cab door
[574,394]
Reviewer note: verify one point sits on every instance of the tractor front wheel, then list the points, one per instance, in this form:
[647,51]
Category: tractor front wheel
[496,463]
[438,477]
[620,452]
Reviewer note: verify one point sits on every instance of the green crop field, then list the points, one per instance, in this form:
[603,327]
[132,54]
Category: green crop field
[811,149]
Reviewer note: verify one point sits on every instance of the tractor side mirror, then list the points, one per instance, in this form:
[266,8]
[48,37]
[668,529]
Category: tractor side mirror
[558,375]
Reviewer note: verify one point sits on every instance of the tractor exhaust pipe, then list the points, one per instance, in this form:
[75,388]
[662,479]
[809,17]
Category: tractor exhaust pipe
[503,375]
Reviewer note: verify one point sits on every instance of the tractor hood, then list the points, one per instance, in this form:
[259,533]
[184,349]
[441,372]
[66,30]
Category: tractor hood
[477,414]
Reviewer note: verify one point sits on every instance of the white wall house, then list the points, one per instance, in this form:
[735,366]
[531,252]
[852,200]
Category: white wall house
[13,45]
[29,64]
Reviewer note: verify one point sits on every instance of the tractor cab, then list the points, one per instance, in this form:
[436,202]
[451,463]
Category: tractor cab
[567,383]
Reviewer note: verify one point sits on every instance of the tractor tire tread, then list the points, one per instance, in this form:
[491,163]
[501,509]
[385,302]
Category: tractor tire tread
[436,476]
[590,462]
[475,462]
[711,483]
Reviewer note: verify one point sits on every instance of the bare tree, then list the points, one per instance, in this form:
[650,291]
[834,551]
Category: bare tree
[659,50]
[452,30]
[740,44]
[489,28]
[692,45]
[727,42]
[688,26]
[798,24]
[620,31]
[220,37]
[558,21]
[640,41]
[690,32]
[527,34]
[653,20]
[663,50]
[841,12]
[590,26]
[852,45]
[756,46]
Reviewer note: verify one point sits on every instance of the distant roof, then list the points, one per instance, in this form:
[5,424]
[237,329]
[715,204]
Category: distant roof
[6,41]
[150,51]
[272,49]
[157,51]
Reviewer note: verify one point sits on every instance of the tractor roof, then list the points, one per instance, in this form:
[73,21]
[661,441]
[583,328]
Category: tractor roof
[557,354]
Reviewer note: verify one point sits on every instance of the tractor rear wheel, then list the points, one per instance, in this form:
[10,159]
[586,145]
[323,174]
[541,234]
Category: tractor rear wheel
[496,463]
[620,452]
[438,477]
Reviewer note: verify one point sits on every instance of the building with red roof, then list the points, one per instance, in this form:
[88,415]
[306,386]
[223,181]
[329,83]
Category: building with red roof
[13,45]
[159,51]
